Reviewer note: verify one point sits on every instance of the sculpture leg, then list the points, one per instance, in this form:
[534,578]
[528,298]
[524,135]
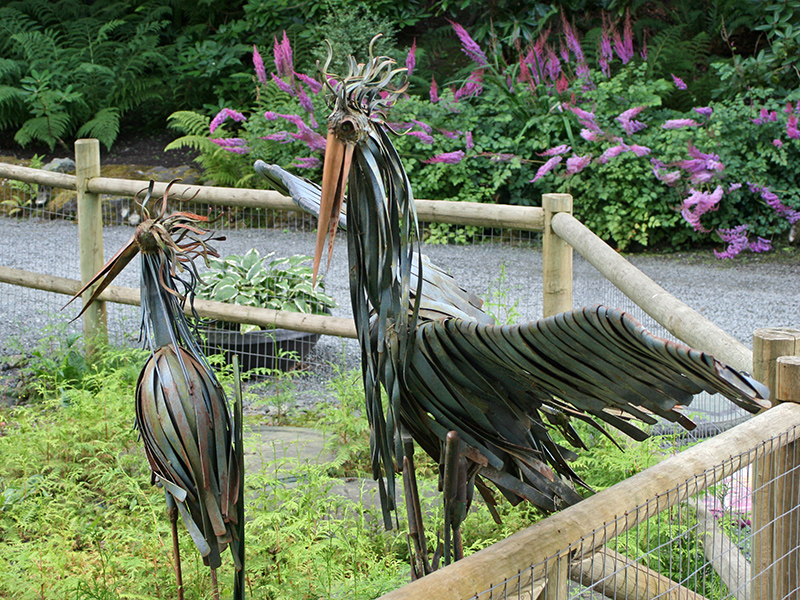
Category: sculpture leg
[454,488]
[172,512]
[420,564]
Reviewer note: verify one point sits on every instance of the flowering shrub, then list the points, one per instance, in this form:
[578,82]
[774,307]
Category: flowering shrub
[553,121]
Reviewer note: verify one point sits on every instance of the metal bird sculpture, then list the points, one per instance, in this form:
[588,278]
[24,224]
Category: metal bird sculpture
[193,448]
[478,398]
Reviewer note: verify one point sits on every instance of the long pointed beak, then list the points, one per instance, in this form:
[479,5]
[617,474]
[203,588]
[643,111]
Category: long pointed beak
[338,158]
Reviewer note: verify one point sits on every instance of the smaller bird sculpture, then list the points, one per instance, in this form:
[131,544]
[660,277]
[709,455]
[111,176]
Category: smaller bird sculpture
[191,443]
[480,399]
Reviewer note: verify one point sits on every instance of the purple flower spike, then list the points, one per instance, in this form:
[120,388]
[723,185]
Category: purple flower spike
[791,128]
[258,63]
[411,59]
[472,88]
[771,198]
[612,152]
[698,204]
[736,238]
[305,101]
[281,136]
[283,56]
[640,150]
[591,136]
[425,138]
[468,140]
[626,119]
[224,114]
[556,150]
[623,45]
[678,82]
[777,143]
[704,111]
[314,85]
[679,123]
[760,245]
[546,168]
[424,126]
[449,158]
[576,164]
[434,91]
[572,39]
[235,145]
[282,85]
[310,162]
[469,46]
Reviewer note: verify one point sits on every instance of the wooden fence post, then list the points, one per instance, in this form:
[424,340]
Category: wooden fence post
[775,494]
[90,240]
[556,259]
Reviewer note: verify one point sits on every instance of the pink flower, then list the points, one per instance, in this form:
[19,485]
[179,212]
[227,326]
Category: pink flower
[771,198]
[469,46]
[472,88]
[639,150]
[777,143]
[698,204]
[704,111]
[623,46]
[425,138]
[468,140]
[591,136]
[556,150]
[546,168]
[411,59]
[449,158]
[434,91]
[679,123]
[626,119]
[283,56]
[576,164]
[612,152]
[789,109]
[282,85]
[424,126]
[791,128]
[224,114]
[305,101]
[310,162]
[235,145]
[736,238]
[760,245]
[314,85]
[678,82]
[281,136]
[572,39]
[258,63]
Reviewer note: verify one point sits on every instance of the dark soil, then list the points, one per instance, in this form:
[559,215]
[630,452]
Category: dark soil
[129,149]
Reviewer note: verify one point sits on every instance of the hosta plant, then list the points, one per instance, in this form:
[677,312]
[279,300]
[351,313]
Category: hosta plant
[284,283]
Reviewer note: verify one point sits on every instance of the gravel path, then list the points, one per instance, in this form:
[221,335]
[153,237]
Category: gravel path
[739,295]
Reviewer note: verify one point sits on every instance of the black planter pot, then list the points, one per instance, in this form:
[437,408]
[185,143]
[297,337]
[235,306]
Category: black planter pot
[269,348]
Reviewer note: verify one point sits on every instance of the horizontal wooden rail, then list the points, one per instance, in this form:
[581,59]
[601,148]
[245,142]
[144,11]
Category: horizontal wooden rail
[208,309]
[29,175]
[678,318]
[624,505]
[528,218]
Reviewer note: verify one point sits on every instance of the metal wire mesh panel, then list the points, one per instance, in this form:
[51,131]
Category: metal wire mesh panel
[737,538]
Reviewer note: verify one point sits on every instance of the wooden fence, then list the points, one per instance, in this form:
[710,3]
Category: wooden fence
[562,233]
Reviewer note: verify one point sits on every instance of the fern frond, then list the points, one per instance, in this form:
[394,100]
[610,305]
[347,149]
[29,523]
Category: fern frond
[195,142]
[190,122]
[49,130]
[104,126]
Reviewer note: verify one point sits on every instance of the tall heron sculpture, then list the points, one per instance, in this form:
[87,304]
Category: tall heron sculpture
[192,445]
[478,398]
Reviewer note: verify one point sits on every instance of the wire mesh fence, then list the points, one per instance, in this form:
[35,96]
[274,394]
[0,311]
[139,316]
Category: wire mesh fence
[721,537]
